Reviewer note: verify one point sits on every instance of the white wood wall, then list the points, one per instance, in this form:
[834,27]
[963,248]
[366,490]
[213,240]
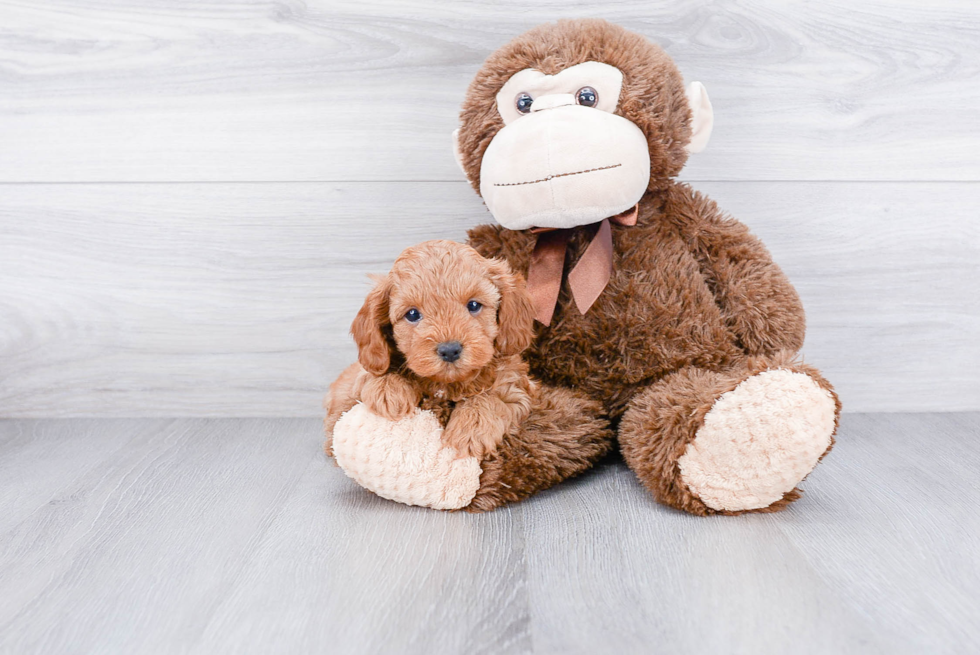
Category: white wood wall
[191,192]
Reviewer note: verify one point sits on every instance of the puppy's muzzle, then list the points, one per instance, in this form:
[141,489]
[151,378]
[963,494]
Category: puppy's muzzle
[449,351]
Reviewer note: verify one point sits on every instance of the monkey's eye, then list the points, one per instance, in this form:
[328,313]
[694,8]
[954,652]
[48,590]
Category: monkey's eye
[474,307]
[413,315]
[523,102]
[587,97]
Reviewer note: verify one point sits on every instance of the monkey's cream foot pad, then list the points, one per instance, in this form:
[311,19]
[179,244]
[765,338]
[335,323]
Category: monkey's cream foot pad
[404,460]
[759,440]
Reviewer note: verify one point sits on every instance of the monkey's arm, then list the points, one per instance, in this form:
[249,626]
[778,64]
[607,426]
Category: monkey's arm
[756,298]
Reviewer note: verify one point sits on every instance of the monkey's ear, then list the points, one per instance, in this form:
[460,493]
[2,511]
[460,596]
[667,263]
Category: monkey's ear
[373,350]
[457,153]
[515,315]
[703,117]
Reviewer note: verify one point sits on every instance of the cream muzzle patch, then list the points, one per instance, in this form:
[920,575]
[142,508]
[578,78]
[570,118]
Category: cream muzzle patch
[560,163]
[564,158]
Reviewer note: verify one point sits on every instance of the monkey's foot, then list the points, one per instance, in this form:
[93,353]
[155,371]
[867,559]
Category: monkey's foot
[758,441]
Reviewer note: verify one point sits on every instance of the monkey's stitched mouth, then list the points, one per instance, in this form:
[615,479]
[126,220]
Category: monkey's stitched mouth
[551,177]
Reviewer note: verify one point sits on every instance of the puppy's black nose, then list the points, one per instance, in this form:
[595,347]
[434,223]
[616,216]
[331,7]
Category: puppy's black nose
[450,350]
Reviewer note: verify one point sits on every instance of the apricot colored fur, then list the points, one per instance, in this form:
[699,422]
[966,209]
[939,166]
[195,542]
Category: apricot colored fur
[487,388]
[488,405]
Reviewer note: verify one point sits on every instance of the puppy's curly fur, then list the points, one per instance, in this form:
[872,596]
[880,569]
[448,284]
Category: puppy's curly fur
[438,293]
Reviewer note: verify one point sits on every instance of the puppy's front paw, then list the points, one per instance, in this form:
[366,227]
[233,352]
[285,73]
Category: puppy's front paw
[471,435]
[389,396]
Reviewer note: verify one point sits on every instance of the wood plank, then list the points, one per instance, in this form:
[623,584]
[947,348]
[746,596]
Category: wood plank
[344,568]
[609,570]
[42,458]
[890,524]
[889,275]
[193,300]
[196,536]
[327,91]
[141,550]
[236,299]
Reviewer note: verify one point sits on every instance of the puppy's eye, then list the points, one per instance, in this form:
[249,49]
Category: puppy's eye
[523,102]
[587,97]
[474,307]
[413,315]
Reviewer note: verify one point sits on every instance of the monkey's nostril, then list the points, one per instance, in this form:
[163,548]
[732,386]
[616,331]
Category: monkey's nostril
[449,351]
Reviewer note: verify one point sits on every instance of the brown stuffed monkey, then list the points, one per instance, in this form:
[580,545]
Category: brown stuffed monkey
[648,297]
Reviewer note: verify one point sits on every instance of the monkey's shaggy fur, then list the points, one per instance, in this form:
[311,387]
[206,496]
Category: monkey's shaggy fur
[563,436]
[695,304]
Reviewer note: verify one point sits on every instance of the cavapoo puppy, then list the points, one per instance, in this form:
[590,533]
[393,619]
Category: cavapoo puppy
[443,331]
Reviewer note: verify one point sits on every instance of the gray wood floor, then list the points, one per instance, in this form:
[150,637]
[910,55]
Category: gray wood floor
[236,535]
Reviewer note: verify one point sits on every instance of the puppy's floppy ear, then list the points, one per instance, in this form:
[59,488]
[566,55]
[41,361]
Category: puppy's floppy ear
[515,315]
[370,330]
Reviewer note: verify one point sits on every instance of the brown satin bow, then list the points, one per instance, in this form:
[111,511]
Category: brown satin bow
[586,280]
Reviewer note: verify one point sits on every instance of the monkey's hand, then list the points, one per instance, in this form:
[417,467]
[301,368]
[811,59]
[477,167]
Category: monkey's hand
[389,396]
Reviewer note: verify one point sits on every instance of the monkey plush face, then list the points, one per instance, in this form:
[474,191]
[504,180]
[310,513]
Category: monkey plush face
[563,158]
[573,122]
